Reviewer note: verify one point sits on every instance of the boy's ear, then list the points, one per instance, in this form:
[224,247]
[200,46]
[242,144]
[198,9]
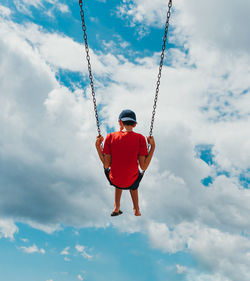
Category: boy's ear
[120,124]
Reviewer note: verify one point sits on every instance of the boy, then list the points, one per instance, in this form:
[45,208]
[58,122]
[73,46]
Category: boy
[120,156]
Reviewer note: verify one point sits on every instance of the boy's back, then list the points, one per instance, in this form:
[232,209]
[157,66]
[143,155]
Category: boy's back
[123,152]
[124,148]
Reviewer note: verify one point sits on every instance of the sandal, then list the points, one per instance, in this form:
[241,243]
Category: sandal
[114,214]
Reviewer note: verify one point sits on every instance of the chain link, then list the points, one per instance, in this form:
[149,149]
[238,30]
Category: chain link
[89,67]
[160,68]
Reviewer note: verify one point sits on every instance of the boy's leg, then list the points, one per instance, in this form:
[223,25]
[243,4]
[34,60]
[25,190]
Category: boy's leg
[134,196]
[118,194]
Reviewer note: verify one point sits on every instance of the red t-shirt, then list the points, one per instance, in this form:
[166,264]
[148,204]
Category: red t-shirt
[124,147]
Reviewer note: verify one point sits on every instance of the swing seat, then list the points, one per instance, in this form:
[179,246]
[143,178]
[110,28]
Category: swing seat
[134,186]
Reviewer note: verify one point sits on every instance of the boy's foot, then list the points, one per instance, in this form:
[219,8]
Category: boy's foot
[137,212]
[113,214]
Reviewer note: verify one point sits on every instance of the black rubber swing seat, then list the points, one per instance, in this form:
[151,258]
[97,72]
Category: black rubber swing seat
[134,186]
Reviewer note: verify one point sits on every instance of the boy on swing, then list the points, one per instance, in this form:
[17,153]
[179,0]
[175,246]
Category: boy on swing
[123,151]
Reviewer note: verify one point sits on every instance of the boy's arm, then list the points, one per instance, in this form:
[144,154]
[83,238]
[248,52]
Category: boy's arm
[99,140]
[105,158]
[107,161]
[144,161]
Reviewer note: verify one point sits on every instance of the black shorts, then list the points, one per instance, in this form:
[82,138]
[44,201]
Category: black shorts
[134,186]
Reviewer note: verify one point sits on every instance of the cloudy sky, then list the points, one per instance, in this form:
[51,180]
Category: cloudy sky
[55,203]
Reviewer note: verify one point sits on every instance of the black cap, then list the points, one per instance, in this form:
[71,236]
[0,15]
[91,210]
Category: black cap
[127,115]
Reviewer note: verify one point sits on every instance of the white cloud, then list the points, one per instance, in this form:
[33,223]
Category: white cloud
[62,131]
[81,249]
[25,240]
[181,269]
[79,276]
[7,228]
[164,239]
[5,11]
[32,249]
[65,251]
[25,6]
[198,276]
[218,252]
[223,252]
[58,50]
[63,8]
[47,227]
[193,19]
[141,11]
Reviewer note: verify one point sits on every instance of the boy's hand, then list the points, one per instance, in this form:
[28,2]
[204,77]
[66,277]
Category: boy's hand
[151,141]
[99,140]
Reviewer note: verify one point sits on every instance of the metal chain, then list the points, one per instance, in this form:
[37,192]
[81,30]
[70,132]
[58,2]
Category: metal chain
[89,67]
[159,73]
[160,68]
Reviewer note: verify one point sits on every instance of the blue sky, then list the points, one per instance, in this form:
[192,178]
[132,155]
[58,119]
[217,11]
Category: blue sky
[113,255]
[55,206]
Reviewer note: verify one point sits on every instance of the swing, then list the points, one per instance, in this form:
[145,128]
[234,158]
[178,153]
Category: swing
[136,183]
